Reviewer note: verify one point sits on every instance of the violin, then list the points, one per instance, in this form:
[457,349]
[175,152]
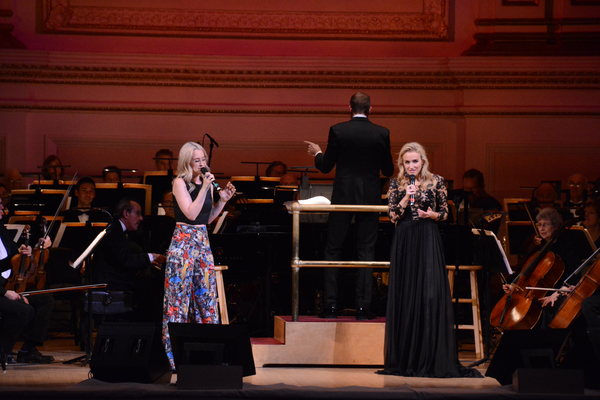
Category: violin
[520,308]
[39,256]
[20,267]
[587,285]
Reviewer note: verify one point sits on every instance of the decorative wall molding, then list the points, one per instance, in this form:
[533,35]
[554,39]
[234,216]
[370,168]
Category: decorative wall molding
[325,79]
[266,111]
[188,20]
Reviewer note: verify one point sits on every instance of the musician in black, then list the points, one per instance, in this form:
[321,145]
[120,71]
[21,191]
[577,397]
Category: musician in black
[118,261]
[84,211]
[17,313]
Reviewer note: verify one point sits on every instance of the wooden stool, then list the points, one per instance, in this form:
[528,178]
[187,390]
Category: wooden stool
[473,300]
[221,293]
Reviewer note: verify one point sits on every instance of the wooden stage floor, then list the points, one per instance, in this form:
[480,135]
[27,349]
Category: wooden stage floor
[66,381]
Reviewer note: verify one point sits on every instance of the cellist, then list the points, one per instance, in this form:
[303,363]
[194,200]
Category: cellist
[16,311]
[548,220]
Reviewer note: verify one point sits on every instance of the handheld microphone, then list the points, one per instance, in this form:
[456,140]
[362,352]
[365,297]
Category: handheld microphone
[215,184]
[411,179]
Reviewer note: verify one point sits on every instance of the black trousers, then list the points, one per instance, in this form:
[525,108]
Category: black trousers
[590,308]
[15,316]
[38,327]
[366,225]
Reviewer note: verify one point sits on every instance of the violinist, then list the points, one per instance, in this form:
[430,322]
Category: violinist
[16,310]
[85,191]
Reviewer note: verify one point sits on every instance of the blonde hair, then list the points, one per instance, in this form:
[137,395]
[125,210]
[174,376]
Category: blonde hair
[425,176]
[184,170]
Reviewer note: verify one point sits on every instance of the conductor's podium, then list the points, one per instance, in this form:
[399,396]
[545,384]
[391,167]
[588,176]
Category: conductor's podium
[346,341]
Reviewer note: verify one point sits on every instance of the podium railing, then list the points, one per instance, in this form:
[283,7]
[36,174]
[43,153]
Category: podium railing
[298,208]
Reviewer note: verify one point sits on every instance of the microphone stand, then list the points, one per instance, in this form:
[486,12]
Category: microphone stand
[212,144]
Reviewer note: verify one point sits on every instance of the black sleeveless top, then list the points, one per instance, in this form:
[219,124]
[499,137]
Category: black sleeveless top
[202,218]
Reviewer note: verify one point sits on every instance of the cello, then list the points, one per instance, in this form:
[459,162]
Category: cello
[520,308]
[587,285]
[20,264]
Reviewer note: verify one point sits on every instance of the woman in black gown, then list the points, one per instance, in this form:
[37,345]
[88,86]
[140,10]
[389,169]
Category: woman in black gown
[419,331]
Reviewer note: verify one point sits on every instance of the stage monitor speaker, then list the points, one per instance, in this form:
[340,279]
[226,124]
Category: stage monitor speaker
[537,348]
[211,356]
[130,352]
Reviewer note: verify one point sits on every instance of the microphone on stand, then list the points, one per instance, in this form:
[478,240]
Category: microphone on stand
[204,170]
[211,139]
[411,179]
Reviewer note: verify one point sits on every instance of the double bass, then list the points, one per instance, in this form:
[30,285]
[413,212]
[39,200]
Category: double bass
[520,308]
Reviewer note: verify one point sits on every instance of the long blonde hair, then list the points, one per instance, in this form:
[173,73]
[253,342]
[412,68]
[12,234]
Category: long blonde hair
[425,176]
[184,170]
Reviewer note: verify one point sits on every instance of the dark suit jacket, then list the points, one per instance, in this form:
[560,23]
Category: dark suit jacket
[114,261]
[359,149]
[11,249]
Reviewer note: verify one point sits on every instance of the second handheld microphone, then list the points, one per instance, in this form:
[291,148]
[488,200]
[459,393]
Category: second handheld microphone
[204,170]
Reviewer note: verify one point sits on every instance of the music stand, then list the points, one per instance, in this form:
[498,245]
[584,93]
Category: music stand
[161,183]
[85,255]
[109,194]
[490,255]
[46,201]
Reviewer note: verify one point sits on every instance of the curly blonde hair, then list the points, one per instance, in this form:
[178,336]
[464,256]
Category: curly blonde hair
[184,169]
[425,176]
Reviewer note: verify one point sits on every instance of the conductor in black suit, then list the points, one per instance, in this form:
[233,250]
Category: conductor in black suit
[360,150]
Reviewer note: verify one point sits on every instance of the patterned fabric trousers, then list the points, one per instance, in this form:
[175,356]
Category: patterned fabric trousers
[190,282]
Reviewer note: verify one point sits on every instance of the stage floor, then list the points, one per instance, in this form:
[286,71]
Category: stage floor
[72,381]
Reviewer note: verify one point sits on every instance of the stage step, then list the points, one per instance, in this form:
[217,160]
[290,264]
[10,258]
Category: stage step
[316,341]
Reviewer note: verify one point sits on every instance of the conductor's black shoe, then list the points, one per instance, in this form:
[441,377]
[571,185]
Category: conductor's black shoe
[33,356]
[10,359]
[328,313]
[363,314]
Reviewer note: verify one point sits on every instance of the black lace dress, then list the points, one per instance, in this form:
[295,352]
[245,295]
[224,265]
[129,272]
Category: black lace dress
[419,331]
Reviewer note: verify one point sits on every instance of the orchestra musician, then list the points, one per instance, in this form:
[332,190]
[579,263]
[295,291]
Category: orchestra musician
[85,191]
[190,281]
[592,221]
[548,222]
[17,313]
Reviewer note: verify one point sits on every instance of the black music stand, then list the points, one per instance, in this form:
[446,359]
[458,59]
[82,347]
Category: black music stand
[161,183]
[109,194]
[490,255]
[86,255]
[46,201]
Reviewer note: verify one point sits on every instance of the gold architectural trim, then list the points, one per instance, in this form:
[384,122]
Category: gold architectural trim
[164,110]
[66,16]
[182,77]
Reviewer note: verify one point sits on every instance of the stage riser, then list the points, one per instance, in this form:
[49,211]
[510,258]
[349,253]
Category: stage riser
[341,342]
